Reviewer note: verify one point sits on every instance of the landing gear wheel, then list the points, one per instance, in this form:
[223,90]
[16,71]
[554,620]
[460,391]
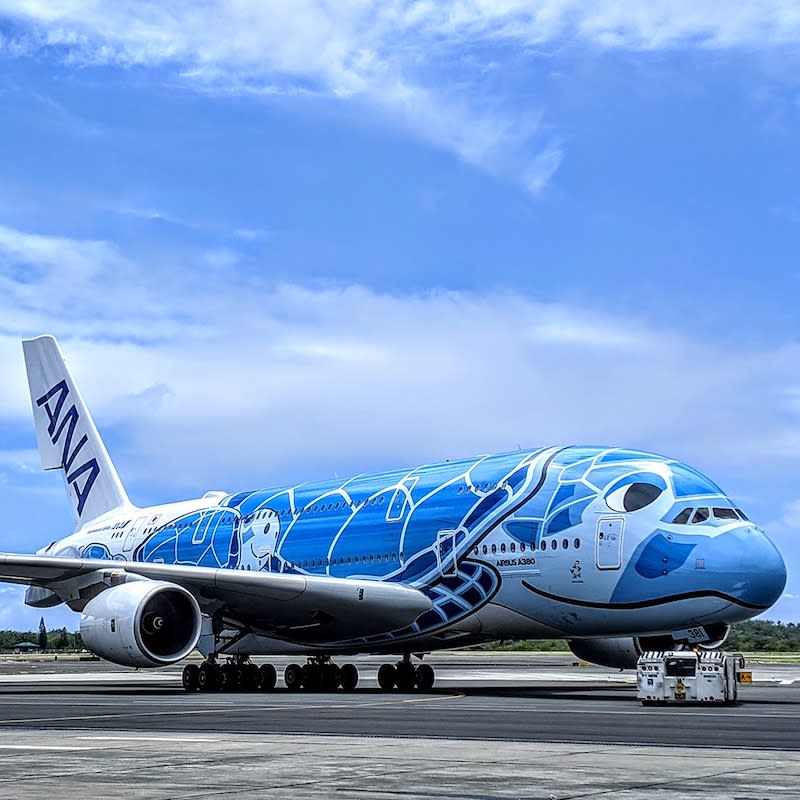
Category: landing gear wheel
[405,677]
[293,677]
[190,677]
[251,677]
[348,677]
[231,678]
[312,677]
[331,677]
[207,677]
[425,677]
[267,677]
[387,677]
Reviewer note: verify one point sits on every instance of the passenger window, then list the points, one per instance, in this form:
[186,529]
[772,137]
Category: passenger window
[724,513]
[683,517]
[512,547]
[522,547]
[485,549]
[543,545]
[553,544]
[494,548]
[701,515]
[565,543]
[576,543]
[503,547]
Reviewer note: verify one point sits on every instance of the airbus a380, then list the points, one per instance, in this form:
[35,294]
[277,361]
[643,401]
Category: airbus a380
[615,550]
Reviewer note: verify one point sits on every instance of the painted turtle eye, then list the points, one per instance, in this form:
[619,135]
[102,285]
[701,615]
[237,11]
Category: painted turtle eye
[633,496]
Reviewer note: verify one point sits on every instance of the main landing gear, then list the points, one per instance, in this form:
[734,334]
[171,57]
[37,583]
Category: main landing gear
[320,674]
[238,674]
[405,677]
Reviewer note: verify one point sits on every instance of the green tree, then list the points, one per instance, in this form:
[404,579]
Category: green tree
[62,643]
[42,635]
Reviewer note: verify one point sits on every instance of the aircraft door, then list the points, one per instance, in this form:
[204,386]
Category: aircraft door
[446,553]
[608,542]
[136,529]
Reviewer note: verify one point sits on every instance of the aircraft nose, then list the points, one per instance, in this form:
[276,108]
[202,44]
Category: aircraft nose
[762,569]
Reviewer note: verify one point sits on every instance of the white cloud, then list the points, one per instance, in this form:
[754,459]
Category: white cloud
[415,62]
[237,380]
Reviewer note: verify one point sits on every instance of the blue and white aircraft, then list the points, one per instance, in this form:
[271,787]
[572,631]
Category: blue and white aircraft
[615,550]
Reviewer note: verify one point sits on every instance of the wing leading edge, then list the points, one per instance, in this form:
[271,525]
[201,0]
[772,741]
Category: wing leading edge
[277,603]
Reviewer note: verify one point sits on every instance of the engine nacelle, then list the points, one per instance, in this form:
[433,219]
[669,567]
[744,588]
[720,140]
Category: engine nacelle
[142,623]
[621,652]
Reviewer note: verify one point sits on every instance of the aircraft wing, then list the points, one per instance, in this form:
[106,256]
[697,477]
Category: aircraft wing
[321,607]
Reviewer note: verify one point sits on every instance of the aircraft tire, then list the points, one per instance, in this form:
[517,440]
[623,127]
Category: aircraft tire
[207,678]
[267,677]
[231,678]
[425,677]
[190,677]
[405,676]
[293,677]
[331,677]
[348,677]
[387,677]
[251,677]
[312,677]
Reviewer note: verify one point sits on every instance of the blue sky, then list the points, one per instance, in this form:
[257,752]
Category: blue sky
[285,241]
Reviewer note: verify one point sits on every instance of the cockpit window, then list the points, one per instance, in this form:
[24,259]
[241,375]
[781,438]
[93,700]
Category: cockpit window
[701,515]
[724,513]
[683,517]
[742,515]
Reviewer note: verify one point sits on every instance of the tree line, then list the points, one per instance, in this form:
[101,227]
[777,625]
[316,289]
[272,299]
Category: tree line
[754,635]
[60,639]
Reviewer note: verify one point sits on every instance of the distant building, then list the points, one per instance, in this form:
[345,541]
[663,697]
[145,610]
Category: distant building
[27,647]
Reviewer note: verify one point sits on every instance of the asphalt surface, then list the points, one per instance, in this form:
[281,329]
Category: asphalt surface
[495,728]
[477,697]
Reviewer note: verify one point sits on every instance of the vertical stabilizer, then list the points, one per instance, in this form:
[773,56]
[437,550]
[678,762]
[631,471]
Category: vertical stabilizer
[68,438]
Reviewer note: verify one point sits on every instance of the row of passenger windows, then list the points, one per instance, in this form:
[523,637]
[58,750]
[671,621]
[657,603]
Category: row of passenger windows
[372,558]
[702,514]
[512,548]
[480,487]
[319,507]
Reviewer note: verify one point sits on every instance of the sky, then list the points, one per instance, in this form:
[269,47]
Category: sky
[287,241]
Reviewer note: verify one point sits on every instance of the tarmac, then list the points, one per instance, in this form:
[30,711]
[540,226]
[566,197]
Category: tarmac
[495,726]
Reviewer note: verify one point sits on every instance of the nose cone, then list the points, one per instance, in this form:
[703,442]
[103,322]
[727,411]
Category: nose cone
[761,567]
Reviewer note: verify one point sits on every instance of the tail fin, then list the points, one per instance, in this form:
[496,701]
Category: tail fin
[68,438]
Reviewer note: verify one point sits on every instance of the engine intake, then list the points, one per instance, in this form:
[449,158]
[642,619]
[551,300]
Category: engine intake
[142,623]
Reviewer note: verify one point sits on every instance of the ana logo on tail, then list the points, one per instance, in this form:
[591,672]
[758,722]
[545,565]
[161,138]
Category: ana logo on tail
[53,403]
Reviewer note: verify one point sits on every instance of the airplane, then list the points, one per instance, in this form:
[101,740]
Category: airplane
[618,551]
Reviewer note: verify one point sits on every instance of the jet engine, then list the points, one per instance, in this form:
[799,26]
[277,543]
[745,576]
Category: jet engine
[622,652]
[619,652]
[142,623]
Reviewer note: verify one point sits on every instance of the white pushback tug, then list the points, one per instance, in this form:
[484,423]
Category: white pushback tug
[689,676]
